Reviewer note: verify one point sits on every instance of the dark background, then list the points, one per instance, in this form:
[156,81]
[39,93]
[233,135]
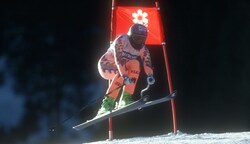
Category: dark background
[50,51]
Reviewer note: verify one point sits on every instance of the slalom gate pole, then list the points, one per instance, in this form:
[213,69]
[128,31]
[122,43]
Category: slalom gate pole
[112,36]
[170,88]
[168,74]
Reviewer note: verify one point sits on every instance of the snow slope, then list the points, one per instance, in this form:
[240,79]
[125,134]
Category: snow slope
[184,138]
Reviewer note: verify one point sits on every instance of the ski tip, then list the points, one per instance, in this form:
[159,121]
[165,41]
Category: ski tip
[76,128]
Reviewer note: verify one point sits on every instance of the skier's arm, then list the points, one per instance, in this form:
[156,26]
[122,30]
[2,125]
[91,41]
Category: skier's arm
[146,59]
[118,55]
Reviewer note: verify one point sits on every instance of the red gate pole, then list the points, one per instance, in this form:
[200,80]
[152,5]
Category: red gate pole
[112,24]
[168,72]
[170,87]
[112,36]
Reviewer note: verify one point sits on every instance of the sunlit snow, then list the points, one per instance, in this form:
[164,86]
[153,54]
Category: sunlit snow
[184,138]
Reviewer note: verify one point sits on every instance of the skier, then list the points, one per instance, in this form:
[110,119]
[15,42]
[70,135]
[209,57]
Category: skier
[121,65]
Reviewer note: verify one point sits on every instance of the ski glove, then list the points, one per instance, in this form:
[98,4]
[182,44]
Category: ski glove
[150,80]
[126,80]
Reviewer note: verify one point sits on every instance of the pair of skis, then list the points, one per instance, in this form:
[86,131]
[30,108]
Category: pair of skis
[137,105]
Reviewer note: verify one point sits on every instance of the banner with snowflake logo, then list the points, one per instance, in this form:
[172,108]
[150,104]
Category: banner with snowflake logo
[126,16]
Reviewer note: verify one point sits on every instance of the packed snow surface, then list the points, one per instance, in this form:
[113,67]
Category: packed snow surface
[184,138]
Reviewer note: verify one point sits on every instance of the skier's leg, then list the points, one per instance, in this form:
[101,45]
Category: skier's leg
[116,82]
[108,70]
[108,102]
[133,67]
[107,67]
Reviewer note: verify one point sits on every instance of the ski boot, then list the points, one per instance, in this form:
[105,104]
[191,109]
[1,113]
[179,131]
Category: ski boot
[126,99]
[108,104]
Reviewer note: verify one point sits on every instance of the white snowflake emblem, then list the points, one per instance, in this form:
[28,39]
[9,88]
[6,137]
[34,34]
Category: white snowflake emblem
[140,17]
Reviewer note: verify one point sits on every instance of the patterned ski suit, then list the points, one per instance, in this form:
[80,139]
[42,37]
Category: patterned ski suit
[122,59]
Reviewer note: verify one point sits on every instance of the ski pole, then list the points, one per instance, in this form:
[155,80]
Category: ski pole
[98,99]
[52,129]
[143,96]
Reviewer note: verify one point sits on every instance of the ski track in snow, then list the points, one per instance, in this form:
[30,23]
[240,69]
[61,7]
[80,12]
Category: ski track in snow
[183,138]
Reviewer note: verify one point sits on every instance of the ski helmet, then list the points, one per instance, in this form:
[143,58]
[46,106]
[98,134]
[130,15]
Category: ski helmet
[138,34]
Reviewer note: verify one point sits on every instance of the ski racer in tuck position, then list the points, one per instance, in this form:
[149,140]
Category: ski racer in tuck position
[121,65]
